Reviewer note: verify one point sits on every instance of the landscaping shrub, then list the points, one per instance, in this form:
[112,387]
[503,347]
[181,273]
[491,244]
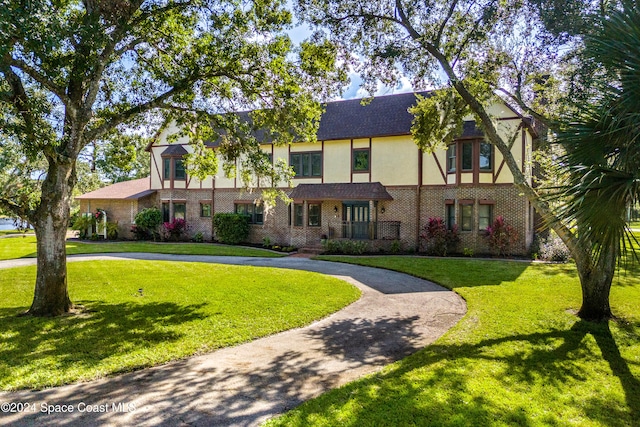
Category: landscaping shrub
[147,226]
[81,224]
[89,225]
[198,237]
[396,247]
[174,230]
[436,239]
[501,237]
[554,249]
[112,230]
[346,247]
[231,228]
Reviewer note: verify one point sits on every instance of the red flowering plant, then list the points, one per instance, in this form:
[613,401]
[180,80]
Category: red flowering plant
[501,237]
[174,230]
[436,239]
[99,215]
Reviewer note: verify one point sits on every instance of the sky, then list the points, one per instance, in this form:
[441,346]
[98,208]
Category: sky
[302,31]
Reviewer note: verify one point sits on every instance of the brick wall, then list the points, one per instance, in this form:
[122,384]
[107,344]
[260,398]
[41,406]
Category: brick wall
[507,202]
[404,208]
[192,199]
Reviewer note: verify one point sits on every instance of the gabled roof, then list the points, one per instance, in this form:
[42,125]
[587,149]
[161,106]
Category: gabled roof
[347,191]
[126,190]
[174,150]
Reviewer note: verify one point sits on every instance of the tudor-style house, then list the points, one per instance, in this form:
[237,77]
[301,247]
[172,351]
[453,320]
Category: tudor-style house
[365,178]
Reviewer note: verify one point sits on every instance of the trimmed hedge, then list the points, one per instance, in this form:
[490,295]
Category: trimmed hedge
[231,228]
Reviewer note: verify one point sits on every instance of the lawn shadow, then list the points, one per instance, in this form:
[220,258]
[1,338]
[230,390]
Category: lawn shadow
[365,340]
[84,340]
[229,390]
[436,387]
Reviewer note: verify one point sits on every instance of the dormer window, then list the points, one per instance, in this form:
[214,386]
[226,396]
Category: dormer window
[172,165]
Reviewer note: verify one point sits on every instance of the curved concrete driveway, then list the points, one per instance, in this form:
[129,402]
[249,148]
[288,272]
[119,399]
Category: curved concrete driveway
[244,385]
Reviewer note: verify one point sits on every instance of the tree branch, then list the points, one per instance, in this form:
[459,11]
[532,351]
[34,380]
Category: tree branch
[40,78]
[404,21]
[467,38]
[444,23]
[122,117]
[539,117]
[14,208]
[20,101]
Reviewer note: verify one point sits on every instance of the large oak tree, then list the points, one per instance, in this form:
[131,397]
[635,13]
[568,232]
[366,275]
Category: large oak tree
[74,72]
[471,51]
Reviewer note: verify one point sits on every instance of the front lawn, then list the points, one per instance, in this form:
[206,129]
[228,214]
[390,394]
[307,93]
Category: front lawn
[519,357]
[184,309]
[23,247]
[9,232]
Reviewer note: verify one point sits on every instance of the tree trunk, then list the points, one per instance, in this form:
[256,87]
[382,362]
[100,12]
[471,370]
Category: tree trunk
[51,219]
[595,281]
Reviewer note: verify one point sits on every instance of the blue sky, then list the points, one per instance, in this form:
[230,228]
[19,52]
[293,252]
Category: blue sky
[302,31]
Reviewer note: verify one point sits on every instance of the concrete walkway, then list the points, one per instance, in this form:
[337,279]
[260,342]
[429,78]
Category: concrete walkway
[247,384]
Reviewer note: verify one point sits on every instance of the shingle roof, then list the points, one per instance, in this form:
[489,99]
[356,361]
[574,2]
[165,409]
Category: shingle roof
[347,191]
[126,190]
[383,116]
[470,130]
[174,150]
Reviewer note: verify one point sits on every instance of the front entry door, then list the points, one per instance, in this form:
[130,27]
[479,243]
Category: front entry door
[356,220]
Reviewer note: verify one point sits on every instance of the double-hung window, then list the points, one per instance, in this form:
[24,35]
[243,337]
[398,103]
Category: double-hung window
[205,210]
[485,216]
[298,214]
[466,217]
[486,157]
[451,216]
[451,158]
[314,215]
[467,156]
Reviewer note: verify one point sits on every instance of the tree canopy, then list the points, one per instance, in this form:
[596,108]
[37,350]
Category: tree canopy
[73,73]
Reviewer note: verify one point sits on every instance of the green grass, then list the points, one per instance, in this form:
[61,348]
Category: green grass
[519,357]
[22,247]
[635,224]
[186,309]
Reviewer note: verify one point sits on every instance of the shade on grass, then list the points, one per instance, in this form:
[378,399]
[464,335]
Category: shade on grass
[21,247]
[10,232]
[184,309]
[519,357]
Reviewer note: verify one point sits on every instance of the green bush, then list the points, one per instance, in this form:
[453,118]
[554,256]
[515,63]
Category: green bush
[346,247]
[112,230]
[147,224]
[82,223]
[231,228]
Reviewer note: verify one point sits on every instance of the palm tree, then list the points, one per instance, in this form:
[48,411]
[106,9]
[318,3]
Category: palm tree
[602,145]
